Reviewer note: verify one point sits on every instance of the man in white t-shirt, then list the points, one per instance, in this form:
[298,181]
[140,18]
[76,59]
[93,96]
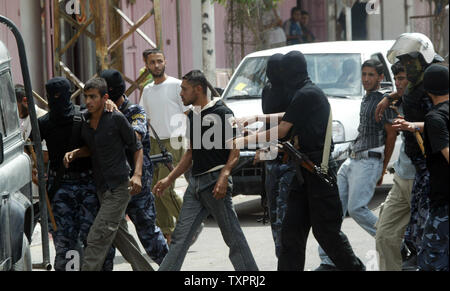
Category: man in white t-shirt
[25,126]
[166,112]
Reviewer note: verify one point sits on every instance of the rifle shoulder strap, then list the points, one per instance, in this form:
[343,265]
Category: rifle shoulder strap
[327,145]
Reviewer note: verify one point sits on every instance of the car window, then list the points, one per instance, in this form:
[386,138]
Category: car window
[8,108]
[336,74]
[250,79]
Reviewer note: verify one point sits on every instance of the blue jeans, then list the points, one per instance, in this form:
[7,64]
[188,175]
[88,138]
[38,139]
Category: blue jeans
[357,180]
[196,207]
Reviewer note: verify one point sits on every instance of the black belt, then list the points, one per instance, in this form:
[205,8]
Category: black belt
[362,155]
[72,175]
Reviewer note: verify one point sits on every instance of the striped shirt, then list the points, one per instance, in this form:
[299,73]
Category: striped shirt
[372,134]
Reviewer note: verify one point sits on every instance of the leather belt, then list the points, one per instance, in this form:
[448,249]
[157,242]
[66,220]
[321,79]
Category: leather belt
[366,155]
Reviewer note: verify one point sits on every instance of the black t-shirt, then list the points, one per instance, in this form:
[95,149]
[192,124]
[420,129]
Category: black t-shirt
[309,112]
[208,131]
[436,139]
[58,137]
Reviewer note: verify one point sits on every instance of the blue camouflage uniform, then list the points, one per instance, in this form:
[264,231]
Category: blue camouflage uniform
[141,208]
[278,179]
[434,254]
[75,206]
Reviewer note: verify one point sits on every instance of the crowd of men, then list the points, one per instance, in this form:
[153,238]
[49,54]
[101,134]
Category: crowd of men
[100,166]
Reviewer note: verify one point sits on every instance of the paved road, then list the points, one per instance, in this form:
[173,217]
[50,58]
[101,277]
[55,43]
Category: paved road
[210,252]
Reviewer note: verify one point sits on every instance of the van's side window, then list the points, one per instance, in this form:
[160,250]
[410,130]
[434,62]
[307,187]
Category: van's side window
[9,116]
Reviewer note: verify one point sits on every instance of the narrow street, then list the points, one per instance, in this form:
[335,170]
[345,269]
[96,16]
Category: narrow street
[210,252]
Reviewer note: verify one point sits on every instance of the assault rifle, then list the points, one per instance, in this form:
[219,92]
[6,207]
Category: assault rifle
[302,160]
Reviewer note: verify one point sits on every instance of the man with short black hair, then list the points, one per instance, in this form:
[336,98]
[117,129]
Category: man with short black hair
[307,35]
[395,212]
[369,157]
[107,135]
[141,208]
[211,161]
[292,27]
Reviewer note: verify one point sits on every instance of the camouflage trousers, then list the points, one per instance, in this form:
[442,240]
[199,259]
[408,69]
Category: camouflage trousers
[433,254]
[75,206]
[141,210]
[420,206]
[278,179]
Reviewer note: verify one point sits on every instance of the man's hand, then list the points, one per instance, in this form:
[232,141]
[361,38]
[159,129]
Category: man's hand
[135,185]
[161,186]
[220,190]
[380,182]
[69,158]
[111,106]
[381,108]
[401,124]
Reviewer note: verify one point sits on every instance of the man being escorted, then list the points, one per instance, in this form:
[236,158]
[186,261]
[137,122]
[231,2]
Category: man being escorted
[395,212]
[433,253]
[107,135]
[211,161]
[72,191]
[162,103]
[369,157]
[141,208]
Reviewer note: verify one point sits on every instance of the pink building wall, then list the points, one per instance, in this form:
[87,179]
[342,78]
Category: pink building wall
[11,9]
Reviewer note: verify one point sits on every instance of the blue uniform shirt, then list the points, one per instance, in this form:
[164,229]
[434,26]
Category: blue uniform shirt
[137,117]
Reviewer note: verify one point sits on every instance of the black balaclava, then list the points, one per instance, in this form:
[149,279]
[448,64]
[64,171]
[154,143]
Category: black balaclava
[274,70]
[295,71]
[274,94]
[116,84]
[58,93]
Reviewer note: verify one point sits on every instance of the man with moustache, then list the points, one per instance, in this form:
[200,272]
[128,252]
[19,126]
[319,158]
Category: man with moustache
[209,164]
[165,110]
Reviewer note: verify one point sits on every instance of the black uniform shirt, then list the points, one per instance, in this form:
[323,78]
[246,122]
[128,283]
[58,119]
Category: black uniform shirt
[107,144]
[436,139]
[309,112]
[58,137]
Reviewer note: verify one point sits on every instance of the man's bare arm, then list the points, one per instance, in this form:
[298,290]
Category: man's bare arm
[445,153]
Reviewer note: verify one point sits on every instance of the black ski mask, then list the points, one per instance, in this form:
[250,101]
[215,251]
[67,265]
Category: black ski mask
[116,84]
[273,95]
[295,71]
[58,93]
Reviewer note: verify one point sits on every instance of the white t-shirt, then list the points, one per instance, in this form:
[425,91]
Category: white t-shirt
[165,109]
[25,126]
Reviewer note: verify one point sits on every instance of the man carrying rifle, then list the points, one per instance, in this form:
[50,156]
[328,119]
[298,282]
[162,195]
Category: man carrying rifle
[211,161]
[141,208]
[312,202]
